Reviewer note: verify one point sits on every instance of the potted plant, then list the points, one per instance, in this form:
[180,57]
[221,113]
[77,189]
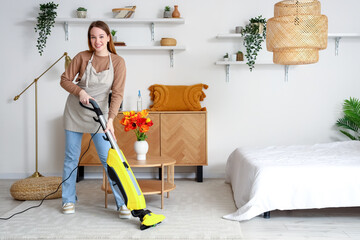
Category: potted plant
[226,57]
[45,21]
[350,124]
[254,35]
[113,32]
[81,12]
[167,12]
[239,56]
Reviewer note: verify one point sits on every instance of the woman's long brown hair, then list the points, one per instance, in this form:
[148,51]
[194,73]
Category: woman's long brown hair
[102,25]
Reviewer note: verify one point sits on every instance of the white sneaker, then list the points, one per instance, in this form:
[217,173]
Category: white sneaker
[68,208]
[124,212]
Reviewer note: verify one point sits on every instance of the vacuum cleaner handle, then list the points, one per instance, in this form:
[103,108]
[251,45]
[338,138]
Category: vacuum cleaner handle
[95,108]
[101,119]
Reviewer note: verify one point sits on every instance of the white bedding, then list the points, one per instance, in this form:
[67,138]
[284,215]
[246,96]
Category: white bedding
[294,177]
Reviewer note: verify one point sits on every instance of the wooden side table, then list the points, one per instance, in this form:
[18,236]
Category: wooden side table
[152,186]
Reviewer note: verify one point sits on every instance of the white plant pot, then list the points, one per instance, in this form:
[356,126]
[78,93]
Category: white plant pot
[233,57]
[167,14]
[81,14]
[141,148]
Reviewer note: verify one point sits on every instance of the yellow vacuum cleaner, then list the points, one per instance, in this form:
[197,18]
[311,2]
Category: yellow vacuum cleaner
[121,174]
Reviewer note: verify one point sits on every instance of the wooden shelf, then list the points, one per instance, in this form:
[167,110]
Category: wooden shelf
[151,186]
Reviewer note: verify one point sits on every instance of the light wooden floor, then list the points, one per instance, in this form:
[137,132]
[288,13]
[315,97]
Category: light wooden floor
[340,223]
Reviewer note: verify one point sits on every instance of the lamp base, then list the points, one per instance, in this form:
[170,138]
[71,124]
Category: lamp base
[36,174]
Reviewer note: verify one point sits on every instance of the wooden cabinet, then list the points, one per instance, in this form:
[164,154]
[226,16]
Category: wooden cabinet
[181,135]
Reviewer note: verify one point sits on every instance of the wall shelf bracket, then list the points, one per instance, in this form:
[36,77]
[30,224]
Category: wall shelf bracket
[172,58]
[286,73]
[337,42]
[227,73]
[66,28]
[152,31]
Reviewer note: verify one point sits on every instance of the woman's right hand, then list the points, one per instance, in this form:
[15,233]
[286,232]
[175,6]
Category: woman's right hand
[84,97]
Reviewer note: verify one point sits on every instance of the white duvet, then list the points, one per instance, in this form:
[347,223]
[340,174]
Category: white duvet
[294,177]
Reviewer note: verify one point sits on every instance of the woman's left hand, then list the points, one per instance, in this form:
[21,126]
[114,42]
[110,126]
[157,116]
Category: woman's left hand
[110,127]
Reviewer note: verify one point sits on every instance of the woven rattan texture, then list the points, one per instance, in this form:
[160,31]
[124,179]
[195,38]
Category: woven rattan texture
[36,188]
[297,32]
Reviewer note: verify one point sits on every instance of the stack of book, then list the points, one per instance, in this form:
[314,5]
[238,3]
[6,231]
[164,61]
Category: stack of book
[119,44]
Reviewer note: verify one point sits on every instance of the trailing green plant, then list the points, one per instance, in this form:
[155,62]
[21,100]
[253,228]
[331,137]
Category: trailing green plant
[253,39]
[226,55]
[45,21]
[350,124]
[167,8]
[82,9]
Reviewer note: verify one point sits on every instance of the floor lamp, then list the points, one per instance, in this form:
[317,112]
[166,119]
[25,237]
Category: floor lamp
[67,62]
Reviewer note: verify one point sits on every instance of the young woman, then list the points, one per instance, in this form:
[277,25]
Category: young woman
[96,72]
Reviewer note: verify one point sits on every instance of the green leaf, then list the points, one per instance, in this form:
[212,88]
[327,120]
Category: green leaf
[351,119]
[348,135]
[347,124]
[45,21]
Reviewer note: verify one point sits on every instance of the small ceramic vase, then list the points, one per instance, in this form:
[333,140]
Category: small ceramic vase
[176,13]
[141,148]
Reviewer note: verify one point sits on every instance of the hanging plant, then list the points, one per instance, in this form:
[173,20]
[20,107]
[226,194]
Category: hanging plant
[254,34]
[45,21]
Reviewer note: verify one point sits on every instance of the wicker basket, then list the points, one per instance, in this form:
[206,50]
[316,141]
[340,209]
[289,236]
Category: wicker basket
[168,42]
[36,188]
[127,12]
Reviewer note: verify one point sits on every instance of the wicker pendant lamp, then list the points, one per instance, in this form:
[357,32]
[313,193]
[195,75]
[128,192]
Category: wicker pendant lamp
[297,32]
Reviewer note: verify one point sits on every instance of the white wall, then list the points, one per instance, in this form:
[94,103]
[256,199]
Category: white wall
[255,109]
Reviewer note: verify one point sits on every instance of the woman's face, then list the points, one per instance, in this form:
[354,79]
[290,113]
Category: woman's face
[99,40]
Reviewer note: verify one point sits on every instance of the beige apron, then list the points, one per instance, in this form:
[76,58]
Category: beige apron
[97,85]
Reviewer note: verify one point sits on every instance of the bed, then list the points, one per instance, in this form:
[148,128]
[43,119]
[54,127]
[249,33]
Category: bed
[293,177]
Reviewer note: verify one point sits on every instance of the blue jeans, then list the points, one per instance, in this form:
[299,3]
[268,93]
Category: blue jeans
[72,154]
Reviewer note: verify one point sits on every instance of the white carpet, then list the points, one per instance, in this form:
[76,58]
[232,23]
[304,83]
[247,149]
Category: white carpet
[193,211]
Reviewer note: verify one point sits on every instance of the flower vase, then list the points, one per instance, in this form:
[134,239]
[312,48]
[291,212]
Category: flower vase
[141,148]
[176,13]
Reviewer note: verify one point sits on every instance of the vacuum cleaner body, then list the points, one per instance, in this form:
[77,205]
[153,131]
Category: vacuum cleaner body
[128,186]
[121,174]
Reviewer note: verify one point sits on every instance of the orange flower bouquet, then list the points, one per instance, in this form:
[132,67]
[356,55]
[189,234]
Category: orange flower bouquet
[139,122]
